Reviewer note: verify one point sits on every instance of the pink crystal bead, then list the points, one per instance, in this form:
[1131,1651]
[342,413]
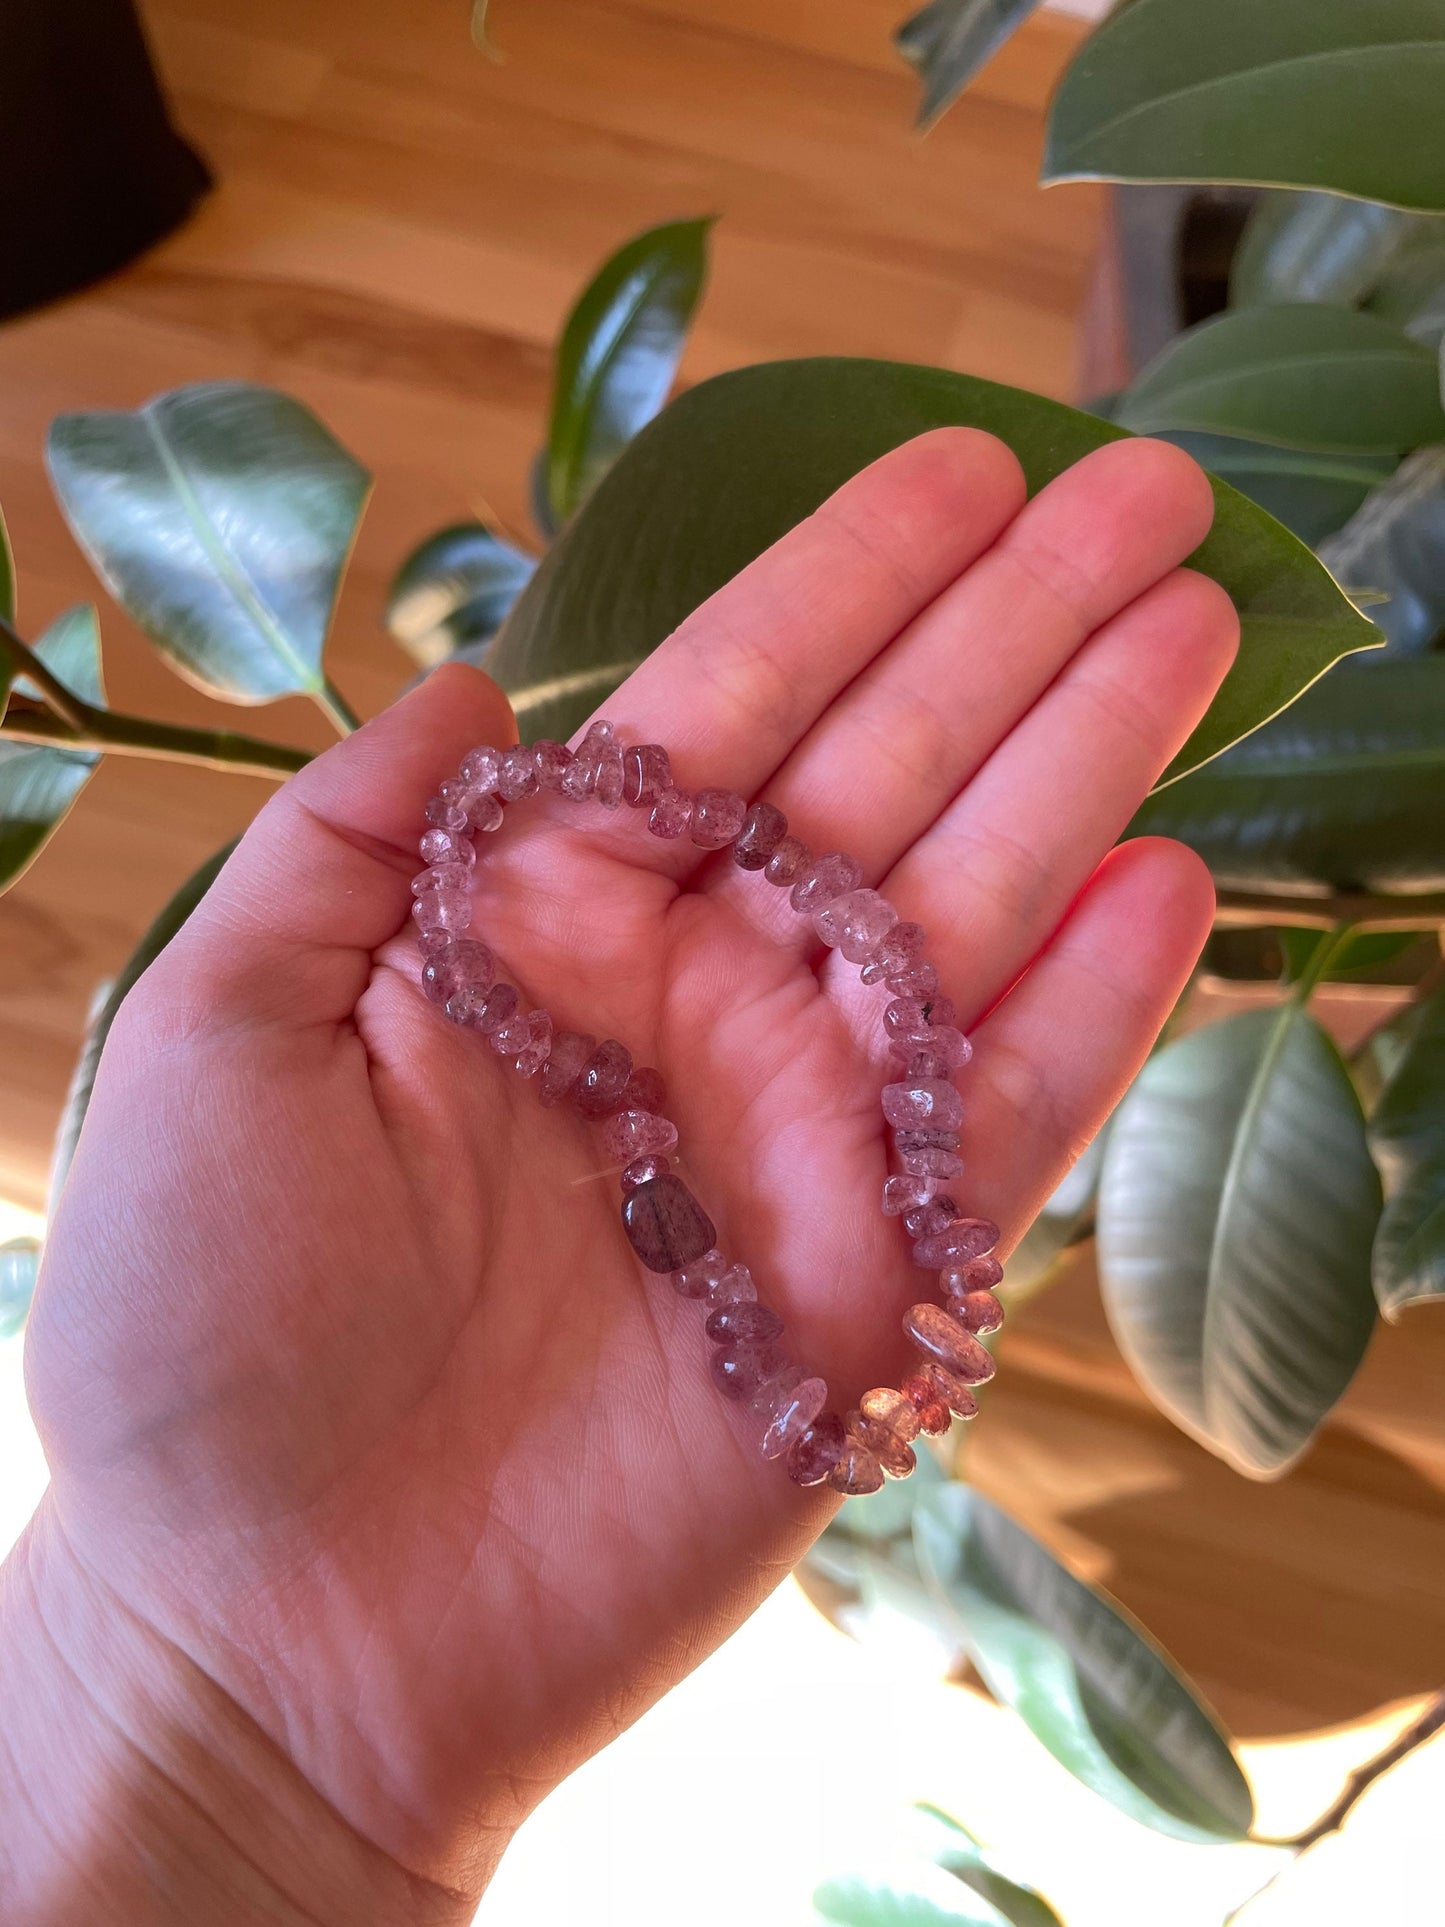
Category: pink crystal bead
[739,1369]
[665,1224]
[977,1274]
[671,813]
[857,1471]
[644,1090]
[764,828]
[550,761]
[430,942]
[570,1051]
[793,1402]
[931,1410]
[443,910]
[940,1165]
[904,1194]
[481,767]
[853,924]
[918,979]
[717,816]
[445,813]
[734,1286]
[965,1238]
[450,875]
[608,785]
[923,1220]
[518,777]
[977,1311]
[951,1390]
[580,776]
[512,1036]
[817,1450]
[497,1007]
[465,963]
[828,876]
[641,1170]
[743,1321]
[534,1051]
[926,1063]
[635,1134]
[944,1340]
[599,731]
[484,812]
[440,846]
[894,1457]
[887,1407]
[930,1103]
[697,1279]
[896,949]
[603,1078]
[788,862]
[646,773]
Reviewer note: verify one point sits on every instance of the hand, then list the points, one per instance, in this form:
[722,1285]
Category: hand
[352,1389]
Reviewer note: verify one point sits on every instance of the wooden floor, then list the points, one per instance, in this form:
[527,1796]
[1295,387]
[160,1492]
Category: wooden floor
[399,228]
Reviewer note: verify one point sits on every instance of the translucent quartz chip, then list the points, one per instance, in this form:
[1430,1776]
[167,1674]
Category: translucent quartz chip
[793,1403]
[894,1456]
[939,1165]
[665,1224]
[599,1087]
[923,1220]
[977,1311]
[495,1008]
[735,1285]
[646,773]
[857,1471]
[509,1038]
[739,1369]
[444,814]
[464,964]
[925,1103]
[550,760]
[580,776]
[636,1134]
[450,875]
[431,941]
[717,816]
[443,910]
[481,767]
[896,949]
[831,875]
[852,924]
[907,1017]
[439,846]
[764,828]
[644,1090]
[926,1063]
[608,786]
[743,1321]
[817,1450]
[951,1390]
[933,1417]
[977,1274]
[945,1044]
[892,1409]
[537,1048]
[484,812]
[788,862]
[671,813]
[570,1051]
[519,775]
[918,979]
[698,1278]
[641,1169]
[965,1238]
[901,1195]
[598,733]
[944,1340]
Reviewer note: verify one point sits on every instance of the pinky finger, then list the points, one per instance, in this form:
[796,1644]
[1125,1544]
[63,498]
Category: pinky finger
[1057,1054]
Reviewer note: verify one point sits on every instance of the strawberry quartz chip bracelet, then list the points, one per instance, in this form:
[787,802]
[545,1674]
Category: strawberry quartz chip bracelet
[665,1224]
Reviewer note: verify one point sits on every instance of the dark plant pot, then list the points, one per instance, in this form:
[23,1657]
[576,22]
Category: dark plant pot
[93,170]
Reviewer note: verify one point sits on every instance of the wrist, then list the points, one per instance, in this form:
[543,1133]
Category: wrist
[136,1789]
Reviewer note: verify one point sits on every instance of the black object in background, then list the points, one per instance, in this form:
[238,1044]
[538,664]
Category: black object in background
[91,169]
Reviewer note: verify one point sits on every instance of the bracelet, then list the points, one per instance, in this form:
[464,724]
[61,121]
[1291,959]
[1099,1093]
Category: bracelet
[665,1224]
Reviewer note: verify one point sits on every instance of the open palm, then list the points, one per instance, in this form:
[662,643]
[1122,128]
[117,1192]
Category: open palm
[349,1380]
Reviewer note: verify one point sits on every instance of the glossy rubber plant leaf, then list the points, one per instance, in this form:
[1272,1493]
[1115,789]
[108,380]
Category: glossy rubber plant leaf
[1318,247]
[108,1002]
[221,518]
[1407,1136]
[1311,493]
[1360,959]
[869,1587]
[734,463]
[1084,1678]
[1331,94]
[1342,792]
[38,784]
[619,353]
[454,591]
[1395,543]
[1301,374]
[947,42]
[19,1268]
[1236,1212]
[920,1895]
[1411,292]
[951,1846]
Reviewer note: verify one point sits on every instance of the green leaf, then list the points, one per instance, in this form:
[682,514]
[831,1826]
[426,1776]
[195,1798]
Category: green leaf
[221,518]
[1396,543]
[7,585]
[947,42]
[1312,494]
[619,354]
[1411,292]
[1360,957]
[1331,94]
[1299,374]
[1318,247]
[735,462]
[1407,1136]
[454,590]
[82,1081]
[1342,792]
[962,1854]
[19,1268]
[918,1894]
[38,784]
[1236,1212]
[871,1589]
[1084,1678]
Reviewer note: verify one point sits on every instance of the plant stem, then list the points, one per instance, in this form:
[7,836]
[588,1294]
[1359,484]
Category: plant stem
[334,706]
[1325,952]
[63,701]
[1244,907]
[107,732]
